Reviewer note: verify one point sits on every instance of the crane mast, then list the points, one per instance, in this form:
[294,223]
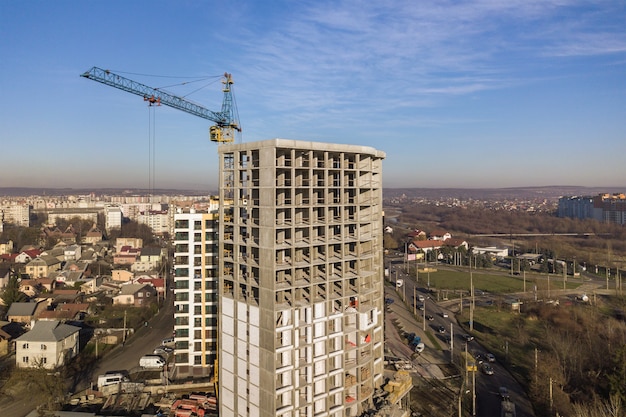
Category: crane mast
[226,122]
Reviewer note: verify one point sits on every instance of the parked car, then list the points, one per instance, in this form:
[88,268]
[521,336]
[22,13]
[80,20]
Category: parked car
[162,350]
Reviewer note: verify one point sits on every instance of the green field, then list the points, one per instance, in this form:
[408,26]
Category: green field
[459,281]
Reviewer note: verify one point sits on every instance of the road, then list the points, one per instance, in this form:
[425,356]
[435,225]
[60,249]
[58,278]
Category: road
[487,386]
[126,357]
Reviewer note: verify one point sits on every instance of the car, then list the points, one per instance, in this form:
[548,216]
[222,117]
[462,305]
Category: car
[430,318]
[410,336]
[421,298]
[479,358]
[490,357]
[420,307]
[441,329]
[388,301]
[504,393]
[444,315]
[487,369]
[468,337]
[162,350]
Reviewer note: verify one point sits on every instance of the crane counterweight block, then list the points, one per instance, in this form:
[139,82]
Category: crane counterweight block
[225,120]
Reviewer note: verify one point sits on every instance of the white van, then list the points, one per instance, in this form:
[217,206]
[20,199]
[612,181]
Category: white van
[151,361]
[110,379]
[169,342]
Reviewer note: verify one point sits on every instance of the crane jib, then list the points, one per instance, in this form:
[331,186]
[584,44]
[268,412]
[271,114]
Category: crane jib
[225,118]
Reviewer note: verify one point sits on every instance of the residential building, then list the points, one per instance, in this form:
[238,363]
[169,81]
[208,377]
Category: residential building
[137,295]
[24,312]
[17,213]
[49,344]
[157,220]
[608,208]
[6,247]
[42,266]
[301,278]
[195,290]
[112,217]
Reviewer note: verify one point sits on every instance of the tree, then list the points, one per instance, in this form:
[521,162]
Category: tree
[618,374]
[12,293]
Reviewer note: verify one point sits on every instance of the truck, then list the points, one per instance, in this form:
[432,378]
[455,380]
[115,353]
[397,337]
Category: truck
[151,361]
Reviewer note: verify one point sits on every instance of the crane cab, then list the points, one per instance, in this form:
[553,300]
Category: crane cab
[222,135]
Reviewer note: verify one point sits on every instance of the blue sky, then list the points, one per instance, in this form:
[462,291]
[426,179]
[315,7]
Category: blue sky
[469,94]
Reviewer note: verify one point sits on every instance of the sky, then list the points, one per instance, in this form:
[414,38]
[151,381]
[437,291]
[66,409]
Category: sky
[458,94]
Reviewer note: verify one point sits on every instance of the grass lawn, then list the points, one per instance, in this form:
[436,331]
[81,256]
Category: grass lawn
[451,280]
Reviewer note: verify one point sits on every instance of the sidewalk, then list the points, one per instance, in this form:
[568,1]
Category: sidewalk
[399,320]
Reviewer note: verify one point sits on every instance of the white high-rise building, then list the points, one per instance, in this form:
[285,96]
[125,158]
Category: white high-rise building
[195,291]
[301,278]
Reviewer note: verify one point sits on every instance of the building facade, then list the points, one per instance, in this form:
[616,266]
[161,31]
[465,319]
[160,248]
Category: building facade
[608,208]
[301,278]
[195,291]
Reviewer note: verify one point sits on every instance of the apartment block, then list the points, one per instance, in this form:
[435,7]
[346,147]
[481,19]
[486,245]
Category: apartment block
[195,292]
[608,208]
[301,278]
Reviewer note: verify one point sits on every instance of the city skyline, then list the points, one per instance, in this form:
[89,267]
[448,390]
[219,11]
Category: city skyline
[458,95]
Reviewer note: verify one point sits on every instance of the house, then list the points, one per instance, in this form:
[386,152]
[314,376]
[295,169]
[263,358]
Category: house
[30,287]
[131,242]
[149,259]
[137,295]
[41,267]
[424,245]
[92,285]
[417,235]
[439,235]
[26,256]
[22,312]
[126,256]
[122,275]
[72,252]
[157,283]
[6,247]
[66,311]
[94,235]
[456,243]
[9,332]
[48,344]
[5,275]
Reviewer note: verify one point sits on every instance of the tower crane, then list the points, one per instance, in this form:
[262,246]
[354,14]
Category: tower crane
[226,121]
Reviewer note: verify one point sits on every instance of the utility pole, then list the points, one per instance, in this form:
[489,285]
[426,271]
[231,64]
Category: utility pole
[471,320]
[451,342]
[124,336]
[474,392]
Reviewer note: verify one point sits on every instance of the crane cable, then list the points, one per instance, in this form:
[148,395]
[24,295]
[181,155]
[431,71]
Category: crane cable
[151,150]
